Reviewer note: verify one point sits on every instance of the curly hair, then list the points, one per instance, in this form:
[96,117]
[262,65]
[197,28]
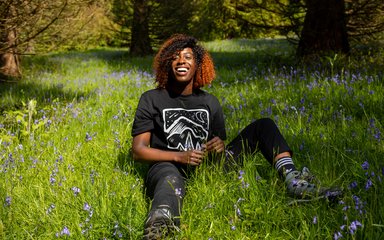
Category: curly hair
[205,71]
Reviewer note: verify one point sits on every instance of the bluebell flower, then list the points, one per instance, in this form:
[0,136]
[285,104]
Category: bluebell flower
[92,176]
[8,200]
[357,201]
[241,173]
[301,147]
[365,165]
[88,137]
[377,135]
[76,190]
[50,208]
[337,235]
[314,221]
[345,208]
[52,179]
[65,231]
[86,207]
[368,184]
[353,226]
[352,185]
[178,192]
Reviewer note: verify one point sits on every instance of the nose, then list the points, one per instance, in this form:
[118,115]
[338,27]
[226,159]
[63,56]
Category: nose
[181,60]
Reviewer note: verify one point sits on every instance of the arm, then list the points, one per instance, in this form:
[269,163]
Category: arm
[143,152]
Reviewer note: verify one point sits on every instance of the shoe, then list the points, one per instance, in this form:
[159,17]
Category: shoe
[159,224]
[300,185]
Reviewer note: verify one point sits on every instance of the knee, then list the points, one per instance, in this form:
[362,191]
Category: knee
[266,122]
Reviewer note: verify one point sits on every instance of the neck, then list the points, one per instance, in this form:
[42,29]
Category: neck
[181,89]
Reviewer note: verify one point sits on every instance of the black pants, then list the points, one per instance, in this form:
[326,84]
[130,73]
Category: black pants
[165,182]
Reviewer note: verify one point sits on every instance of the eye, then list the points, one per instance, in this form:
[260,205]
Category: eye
[189,57]
[175,57]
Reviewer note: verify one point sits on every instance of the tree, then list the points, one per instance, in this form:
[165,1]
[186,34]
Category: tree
[365,18]
[27,25]
[317,26]
[9,60]
[140,40]
[324,29]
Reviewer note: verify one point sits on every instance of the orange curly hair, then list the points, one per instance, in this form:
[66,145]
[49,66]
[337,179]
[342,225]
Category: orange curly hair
[205,71]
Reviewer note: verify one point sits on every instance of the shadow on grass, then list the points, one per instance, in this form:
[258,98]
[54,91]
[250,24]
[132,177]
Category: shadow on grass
[13,94]
[126,163]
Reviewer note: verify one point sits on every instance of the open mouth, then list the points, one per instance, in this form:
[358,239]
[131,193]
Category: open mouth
[181,70]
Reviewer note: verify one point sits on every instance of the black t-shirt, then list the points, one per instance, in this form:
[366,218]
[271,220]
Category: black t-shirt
[179,122]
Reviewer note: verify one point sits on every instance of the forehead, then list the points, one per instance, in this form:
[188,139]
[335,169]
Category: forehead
[185,50]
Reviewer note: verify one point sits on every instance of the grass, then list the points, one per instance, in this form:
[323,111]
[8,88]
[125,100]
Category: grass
[66,171]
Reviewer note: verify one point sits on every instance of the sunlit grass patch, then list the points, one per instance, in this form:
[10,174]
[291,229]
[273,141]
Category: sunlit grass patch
[66,170]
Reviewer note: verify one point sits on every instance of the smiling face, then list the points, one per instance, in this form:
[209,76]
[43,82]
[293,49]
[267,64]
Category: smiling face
[184,66]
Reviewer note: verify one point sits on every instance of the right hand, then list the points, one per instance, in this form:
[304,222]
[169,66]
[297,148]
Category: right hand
[191,157]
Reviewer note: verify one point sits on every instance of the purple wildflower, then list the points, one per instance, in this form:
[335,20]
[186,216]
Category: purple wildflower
[8,200]
[52,179]
[50,208]
[238,211]
[314,221]
[65,231]
[92,175]
[356,199]
[178,192]
[365,165]
[368,184]
[76,190]
[353,226]
[377,135]
[86,207]
[301,147]
[337,235]
[241,173]
[352,185]
[88,137]
[233,227]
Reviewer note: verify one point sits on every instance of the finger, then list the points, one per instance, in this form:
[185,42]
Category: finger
[194,161]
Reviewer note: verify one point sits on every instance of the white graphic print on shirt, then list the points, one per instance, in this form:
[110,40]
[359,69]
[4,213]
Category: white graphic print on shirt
[186,129]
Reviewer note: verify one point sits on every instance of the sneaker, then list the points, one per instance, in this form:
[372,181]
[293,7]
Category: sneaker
[159,224]
[300,185]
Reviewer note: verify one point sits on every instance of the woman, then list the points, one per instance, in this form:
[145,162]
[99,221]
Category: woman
[177,124]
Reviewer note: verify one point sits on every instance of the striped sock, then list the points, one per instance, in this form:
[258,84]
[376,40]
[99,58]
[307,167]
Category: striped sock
[284,166]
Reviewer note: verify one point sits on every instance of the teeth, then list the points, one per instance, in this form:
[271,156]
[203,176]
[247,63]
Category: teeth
[182,69]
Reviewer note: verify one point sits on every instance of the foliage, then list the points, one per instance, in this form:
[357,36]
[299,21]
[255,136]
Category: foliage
[43,26]
[71,176]
[122,16]
[365,19]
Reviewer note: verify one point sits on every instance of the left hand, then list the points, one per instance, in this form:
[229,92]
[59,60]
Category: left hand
[214,145]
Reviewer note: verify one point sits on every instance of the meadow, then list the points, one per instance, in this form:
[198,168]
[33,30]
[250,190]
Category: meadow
[65,135]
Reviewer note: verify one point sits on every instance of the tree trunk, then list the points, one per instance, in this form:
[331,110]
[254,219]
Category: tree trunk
[324,29]
[9,60]
[140,41]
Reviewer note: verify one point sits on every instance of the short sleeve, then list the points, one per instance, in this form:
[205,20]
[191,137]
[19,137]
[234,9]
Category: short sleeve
[143,121]
[218,123]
